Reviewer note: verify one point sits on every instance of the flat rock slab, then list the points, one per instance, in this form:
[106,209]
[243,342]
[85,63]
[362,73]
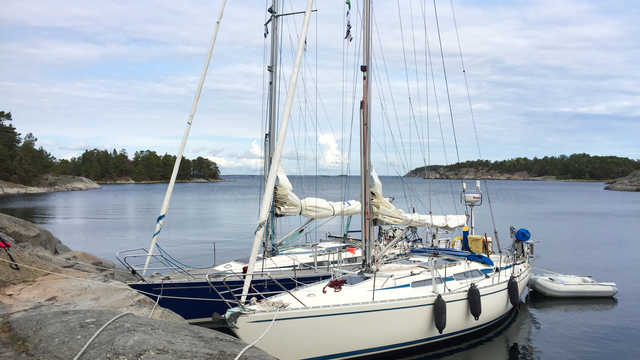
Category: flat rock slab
[630,182]
[45,334]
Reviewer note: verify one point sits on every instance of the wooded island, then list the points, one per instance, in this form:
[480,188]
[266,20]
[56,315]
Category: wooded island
[22,162]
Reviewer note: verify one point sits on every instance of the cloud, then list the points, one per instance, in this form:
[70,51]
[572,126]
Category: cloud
[332,157]
[546,74]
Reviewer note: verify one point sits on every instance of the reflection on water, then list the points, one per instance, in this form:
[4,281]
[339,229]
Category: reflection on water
[540,302]
[511,339]
[26,207]
[515,337]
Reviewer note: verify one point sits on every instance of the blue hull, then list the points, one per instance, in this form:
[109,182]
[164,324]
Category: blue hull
[197,300]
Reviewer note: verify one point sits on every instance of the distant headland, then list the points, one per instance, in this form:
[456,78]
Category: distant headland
[577,167]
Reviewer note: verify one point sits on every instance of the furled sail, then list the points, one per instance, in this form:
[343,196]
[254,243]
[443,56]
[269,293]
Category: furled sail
[384,212]
[287,203]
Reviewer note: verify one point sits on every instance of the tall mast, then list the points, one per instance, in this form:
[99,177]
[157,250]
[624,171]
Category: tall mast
[365,140]
[183,143]
[267,198]
[270,136]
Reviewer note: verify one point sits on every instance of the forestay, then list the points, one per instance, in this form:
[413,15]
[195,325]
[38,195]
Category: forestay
[287,203]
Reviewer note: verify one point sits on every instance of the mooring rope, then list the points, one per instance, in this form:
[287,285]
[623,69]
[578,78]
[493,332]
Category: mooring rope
[84,348]
[256,341]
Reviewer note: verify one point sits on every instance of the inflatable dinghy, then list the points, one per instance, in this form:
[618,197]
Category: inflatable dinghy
[557,285]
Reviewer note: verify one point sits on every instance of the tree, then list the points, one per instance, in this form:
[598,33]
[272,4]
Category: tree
[32,162]
[9,143]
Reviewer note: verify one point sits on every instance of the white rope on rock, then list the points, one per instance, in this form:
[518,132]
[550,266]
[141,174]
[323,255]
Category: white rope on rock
[84,348]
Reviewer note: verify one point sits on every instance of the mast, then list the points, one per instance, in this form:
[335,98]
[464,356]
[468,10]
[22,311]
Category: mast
[270,136]
[365,141]
[267,198]
[185,136]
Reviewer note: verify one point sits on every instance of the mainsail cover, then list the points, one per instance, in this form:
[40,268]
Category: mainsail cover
[384,212]
[287,203]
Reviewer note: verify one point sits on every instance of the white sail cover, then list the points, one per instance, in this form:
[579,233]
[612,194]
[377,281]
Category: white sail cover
[286,203]
[386,213]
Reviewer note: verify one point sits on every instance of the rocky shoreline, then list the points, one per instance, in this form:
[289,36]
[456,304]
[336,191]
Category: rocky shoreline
[474,173]
[131,181]
[630,182]
[49,183]
[55,300]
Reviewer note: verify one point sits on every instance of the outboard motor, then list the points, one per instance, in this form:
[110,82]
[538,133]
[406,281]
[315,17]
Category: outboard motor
[440,313]
[520,237]
[475,303]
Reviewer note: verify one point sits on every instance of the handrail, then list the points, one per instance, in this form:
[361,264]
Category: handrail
[260,293]
[124,257]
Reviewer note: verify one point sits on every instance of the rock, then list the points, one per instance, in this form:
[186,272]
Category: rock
[49,183]
[80,291]
[630,182]
[48,334]
[121,180]
[25,232]
[54,302]
[67,183]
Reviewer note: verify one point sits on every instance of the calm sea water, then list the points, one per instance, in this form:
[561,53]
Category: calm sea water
[581,229]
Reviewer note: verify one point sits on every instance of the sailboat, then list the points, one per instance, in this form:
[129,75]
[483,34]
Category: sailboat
[429,296]
[202,295]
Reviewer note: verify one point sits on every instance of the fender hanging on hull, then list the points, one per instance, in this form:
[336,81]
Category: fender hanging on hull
[514,296]
[475,304]
[440,313]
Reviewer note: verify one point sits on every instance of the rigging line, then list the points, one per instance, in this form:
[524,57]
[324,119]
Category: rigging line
[394,168]
[473,120]
[385,117]
[419,134]
[316,106]
[406,74]
[435,96]
[342,101]
[403,155]
[427,170]
[446,82]
[353,98]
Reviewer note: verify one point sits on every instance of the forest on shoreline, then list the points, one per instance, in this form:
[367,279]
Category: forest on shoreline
[562,167]
[23,162]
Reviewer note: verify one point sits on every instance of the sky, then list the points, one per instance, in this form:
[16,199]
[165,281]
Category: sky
[544,78]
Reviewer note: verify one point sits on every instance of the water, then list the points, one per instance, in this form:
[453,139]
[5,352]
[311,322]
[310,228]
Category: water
[582,229]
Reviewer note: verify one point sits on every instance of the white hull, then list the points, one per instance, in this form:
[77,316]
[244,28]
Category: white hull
[373,327]
[571,286]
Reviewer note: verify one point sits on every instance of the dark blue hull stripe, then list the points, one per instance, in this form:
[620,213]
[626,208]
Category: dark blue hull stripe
[204,300]
[408,343]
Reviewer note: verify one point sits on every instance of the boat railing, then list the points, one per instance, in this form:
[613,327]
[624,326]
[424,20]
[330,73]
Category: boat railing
[133,260]
[236,291]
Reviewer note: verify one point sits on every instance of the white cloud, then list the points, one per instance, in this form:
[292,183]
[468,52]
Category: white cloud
[123,74]
[332,157]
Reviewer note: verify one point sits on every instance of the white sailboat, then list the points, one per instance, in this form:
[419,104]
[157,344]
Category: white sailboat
[429,296]
[197,294]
